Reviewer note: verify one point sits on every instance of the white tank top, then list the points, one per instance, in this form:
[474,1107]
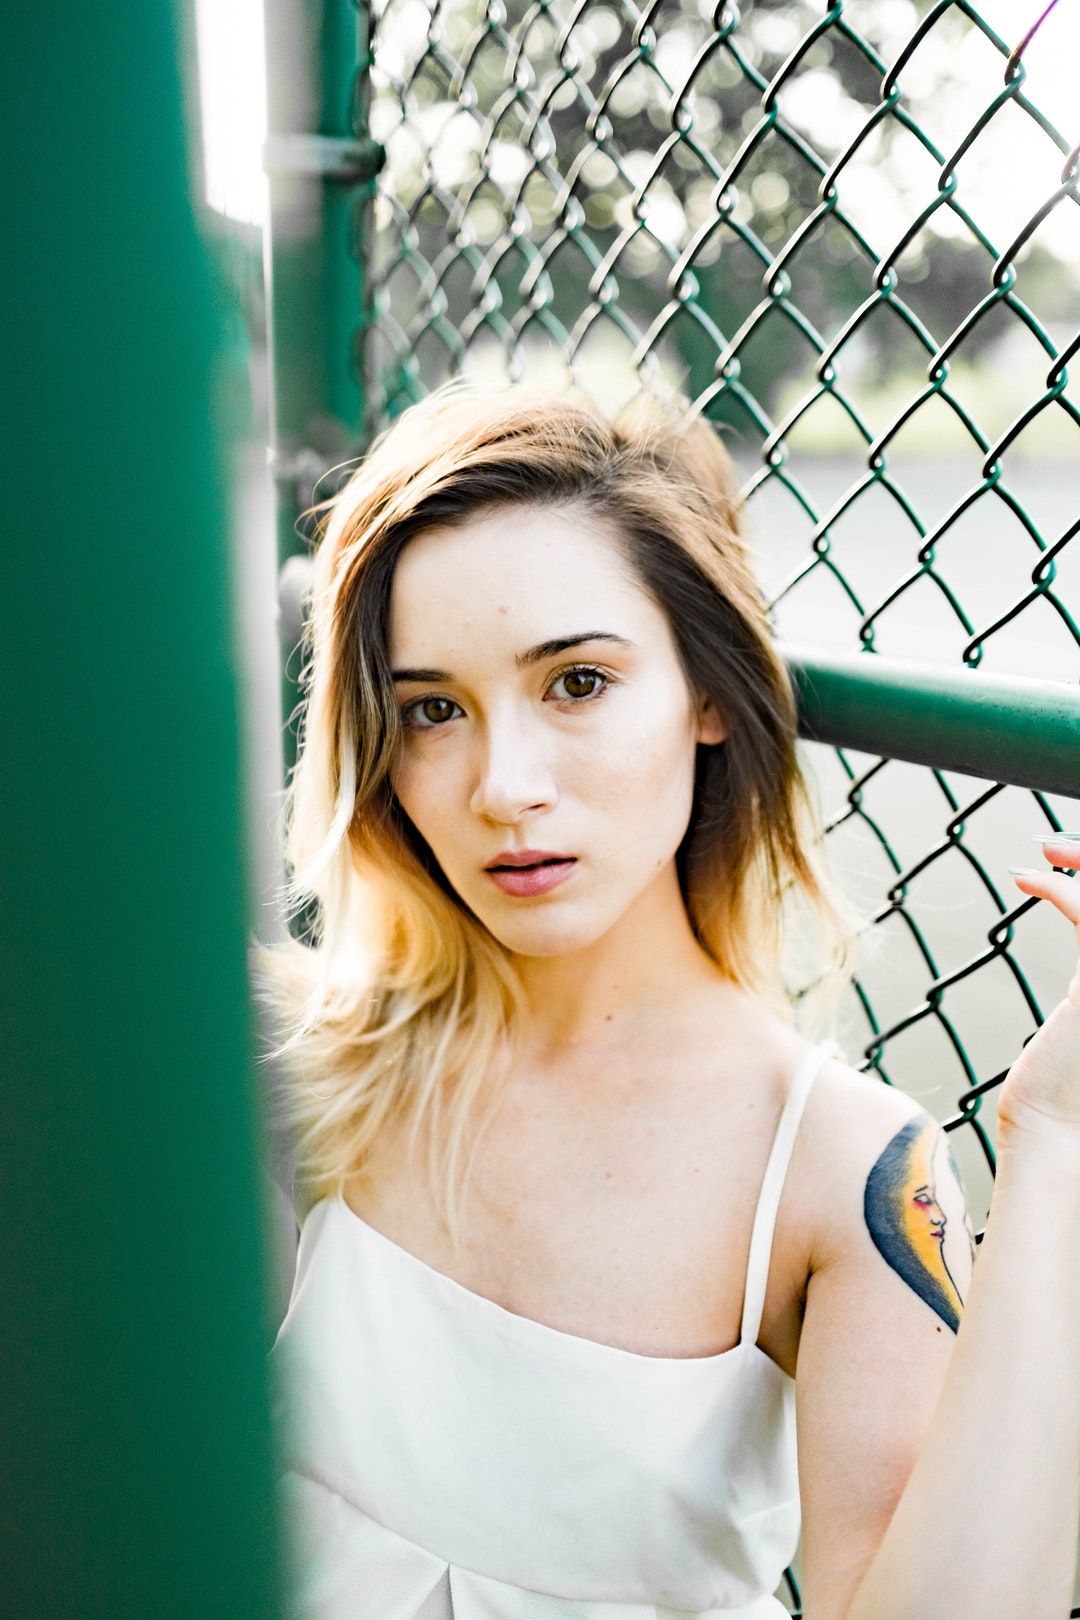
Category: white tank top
[446,1459]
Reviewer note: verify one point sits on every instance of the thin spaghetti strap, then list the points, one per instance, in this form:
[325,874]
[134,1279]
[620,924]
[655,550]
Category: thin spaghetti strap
[761,1238]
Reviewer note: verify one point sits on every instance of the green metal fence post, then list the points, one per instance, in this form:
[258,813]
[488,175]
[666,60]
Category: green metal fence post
[136,1476]
[320,161]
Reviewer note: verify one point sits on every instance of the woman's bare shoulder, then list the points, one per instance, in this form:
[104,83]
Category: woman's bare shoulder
[851,1124]
[856,1132]
[848,1108]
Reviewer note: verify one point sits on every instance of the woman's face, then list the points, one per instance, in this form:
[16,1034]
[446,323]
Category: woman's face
[549,731]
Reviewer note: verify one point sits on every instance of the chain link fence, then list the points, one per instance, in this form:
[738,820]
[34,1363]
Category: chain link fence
[849,234]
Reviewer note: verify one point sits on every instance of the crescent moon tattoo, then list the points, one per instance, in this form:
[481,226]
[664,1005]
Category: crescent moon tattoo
[906,1221]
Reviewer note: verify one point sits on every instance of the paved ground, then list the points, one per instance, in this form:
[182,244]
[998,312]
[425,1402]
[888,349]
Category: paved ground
[986,558]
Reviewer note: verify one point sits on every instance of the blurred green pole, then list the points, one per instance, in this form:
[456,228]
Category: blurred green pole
[321,162]
[135,1450]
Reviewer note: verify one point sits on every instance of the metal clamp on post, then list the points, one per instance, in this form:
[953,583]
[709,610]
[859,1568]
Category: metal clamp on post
[352,160]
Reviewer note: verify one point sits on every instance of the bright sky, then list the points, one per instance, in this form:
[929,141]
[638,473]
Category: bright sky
[232,89]
[1013,162]
[1052,59]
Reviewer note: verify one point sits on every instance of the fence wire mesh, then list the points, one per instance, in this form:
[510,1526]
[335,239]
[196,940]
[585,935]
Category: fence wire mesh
[851,238]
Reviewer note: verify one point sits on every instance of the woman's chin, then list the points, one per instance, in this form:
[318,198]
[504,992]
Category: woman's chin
[544,930]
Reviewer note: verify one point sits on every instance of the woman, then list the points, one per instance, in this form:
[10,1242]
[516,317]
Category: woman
[583,1207]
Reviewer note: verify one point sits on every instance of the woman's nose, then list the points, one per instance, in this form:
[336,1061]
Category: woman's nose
[514,777]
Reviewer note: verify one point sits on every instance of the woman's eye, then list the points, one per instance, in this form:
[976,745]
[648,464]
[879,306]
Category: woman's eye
[578,683]
[429,711]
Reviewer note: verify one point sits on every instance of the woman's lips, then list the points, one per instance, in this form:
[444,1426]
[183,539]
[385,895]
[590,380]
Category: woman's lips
[530,872]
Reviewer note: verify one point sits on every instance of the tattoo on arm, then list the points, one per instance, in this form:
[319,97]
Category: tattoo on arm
[907,1221]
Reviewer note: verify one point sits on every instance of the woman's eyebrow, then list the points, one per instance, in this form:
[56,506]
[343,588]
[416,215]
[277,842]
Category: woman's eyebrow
[420,675]
[534,655]
[551,649]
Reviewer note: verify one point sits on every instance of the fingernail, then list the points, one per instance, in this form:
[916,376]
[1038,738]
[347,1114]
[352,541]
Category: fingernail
[1055,838]
[1028,871]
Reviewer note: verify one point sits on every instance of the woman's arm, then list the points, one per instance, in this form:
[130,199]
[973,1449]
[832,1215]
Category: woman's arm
[985,1524]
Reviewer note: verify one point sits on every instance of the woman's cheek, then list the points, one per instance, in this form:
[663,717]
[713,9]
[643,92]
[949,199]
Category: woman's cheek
[423,783]
[642,794]
[652,763]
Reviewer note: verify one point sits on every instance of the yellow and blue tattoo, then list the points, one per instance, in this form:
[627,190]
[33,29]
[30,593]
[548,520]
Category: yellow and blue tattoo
[906,1220]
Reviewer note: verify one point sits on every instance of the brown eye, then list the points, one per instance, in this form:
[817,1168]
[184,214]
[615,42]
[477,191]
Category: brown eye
[578,683]
[430,711]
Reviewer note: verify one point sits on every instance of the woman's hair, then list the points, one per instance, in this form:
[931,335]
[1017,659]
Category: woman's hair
[402,1005]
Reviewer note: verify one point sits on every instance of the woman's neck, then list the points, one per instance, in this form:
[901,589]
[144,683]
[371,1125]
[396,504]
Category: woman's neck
[648,967]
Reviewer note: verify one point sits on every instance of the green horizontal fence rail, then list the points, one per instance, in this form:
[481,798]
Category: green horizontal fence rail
[1008,729]
[849,235]
[135,1442]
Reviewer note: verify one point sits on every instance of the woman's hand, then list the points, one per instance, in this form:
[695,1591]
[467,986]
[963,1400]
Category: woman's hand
[1042,1091]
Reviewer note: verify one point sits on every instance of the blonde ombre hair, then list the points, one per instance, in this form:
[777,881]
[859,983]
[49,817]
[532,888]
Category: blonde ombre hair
[402,1006]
